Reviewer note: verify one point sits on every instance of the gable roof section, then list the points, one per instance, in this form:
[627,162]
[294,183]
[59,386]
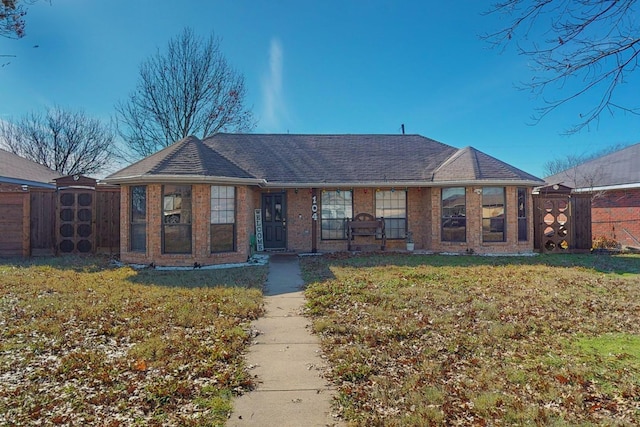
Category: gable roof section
[620,169]
[469,164]
[189,158]
[18,170]
[320,160]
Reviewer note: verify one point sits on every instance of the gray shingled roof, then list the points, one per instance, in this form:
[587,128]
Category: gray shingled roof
[469,164]
[621,168]
[18,170]
[317,160]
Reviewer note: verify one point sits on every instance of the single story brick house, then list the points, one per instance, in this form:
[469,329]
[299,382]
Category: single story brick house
[613,181]
[202,201]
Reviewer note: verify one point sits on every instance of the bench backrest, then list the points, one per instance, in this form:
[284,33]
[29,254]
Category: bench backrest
[364,221]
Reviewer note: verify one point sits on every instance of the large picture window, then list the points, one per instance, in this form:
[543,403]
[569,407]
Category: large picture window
[392,206]
[493,229]
[223,218]
[138,219]
[454,215]
[523,234]
[336,207]
[176,224]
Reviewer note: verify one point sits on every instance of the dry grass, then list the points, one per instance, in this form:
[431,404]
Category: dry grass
[85,343]
[433,340]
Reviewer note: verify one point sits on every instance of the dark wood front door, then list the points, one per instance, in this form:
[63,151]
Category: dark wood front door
[274,220]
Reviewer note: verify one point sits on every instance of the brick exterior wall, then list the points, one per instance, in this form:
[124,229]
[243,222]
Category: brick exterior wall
[300,224]
[616,215]
[423,220]
[10,188]
[200,229]
[474,241]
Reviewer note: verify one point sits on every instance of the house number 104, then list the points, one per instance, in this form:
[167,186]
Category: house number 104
[314,207]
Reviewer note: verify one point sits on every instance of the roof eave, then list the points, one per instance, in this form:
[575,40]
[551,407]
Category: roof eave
[27,182]
[607,188]
[182,179]
[489,182]
[388,183]
[191,179]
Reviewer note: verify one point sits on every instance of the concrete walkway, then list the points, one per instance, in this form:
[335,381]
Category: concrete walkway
[285,359]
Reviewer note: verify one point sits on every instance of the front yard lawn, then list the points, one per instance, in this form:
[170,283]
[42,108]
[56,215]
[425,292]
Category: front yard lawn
[85,343]
[443,340]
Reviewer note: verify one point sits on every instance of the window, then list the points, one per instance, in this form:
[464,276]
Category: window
[522,215]
[493,214]
[454,215]
[176,224]
[336,207]
[392,206]
[223,218]
[138,218]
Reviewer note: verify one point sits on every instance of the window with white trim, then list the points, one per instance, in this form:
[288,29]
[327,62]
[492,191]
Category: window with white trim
[176,223]
[336,206]
[138,218]
[223,218]
[454,215]
[493,214]
[523,234]
[392,206]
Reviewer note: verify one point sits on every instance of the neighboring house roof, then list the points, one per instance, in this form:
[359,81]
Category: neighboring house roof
[287,160]
[18,170]
[617,170]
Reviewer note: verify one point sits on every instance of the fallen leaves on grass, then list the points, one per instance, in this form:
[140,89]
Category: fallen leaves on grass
[470,341]
[85,344]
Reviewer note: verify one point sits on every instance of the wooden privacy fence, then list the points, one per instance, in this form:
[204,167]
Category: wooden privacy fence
[14,224]
[78,217]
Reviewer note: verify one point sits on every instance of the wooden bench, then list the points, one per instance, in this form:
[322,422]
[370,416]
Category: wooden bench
[364,224]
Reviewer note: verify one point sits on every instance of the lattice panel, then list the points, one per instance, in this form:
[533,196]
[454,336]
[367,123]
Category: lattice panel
[75,221]
[556,236]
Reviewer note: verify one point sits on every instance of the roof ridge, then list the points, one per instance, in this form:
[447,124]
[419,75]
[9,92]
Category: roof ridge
[320,135]
[235,163]
[177,146]
[459,152]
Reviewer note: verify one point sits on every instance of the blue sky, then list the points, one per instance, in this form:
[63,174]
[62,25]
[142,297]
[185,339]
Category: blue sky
[312,67]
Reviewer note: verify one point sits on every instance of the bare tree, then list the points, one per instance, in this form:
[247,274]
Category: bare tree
[67,142]
[571,161]
[577,47]
[11,22]
[188,90]
[12,19]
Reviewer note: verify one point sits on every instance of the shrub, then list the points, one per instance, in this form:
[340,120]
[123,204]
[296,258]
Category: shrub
[603,242]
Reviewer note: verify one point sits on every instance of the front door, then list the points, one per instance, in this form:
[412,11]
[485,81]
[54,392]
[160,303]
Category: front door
[274,220]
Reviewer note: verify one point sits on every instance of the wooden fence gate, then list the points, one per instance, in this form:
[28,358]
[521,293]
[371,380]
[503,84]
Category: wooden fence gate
[79,217]
[87,216]
[562,220]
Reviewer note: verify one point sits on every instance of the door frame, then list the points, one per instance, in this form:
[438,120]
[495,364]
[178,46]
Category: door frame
[274,224]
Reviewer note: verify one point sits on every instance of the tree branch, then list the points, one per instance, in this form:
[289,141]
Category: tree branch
[593,44]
